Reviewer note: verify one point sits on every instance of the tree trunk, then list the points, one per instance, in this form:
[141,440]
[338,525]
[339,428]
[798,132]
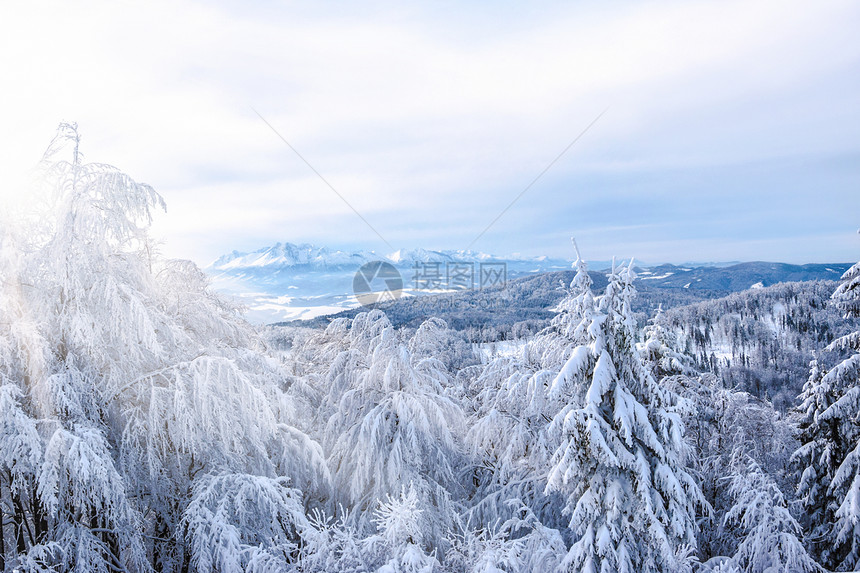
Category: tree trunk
[21,526]
[40,522]
[2,539]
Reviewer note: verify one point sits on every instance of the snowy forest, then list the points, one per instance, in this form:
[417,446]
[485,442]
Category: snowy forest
[146,426]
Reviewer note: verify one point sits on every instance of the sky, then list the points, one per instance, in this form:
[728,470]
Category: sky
[725,130]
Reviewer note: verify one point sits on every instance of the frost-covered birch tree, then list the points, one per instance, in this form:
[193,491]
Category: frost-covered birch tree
[126,386]
[395,426]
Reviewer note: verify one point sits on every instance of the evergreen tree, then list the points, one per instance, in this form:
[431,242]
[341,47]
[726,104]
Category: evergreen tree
[551,349]
[518,397]
[769,541]
[658,353]
[620,463]
[830,455]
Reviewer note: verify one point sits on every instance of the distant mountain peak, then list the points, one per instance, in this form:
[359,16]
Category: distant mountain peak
[283,255]
[287,255]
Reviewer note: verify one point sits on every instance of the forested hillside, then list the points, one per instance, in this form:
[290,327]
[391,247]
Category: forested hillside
[761,340]
[145,426]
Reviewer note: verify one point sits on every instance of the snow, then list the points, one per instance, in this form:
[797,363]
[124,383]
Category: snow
[501,348]
[285,312]
[664,276]
[144,408]
[721,350]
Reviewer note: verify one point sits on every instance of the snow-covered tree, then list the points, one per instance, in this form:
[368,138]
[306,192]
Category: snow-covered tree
[397,543]
[723,422]
[830,455]
[124,383]
[513,407]
[70,304]
[573,323]
[89,513]
[551,348]
[620,464]
[520,543]
[242,522]
[394,426]
[20,459]
[507,442]
[770,540]
[400,521]
[434,346]
[20,444]
[659,352]
[334,546]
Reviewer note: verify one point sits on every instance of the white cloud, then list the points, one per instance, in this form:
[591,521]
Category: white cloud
[417,114]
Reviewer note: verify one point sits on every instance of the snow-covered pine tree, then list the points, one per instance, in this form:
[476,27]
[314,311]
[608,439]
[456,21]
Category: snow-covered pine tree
[659,352]
[551,348]
[578,310]
[620,464]
[517,399]
[770,533]
[830,455]
[818,460]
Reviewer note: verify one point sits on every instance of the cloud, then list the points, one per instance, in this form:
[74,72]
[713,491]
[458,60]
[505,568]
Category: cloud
[430,118]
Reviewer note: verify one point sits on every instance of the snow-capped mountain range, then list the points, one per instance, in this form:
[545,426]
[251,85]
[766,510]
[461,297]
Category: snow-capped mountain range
[287,281]
[289,255]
